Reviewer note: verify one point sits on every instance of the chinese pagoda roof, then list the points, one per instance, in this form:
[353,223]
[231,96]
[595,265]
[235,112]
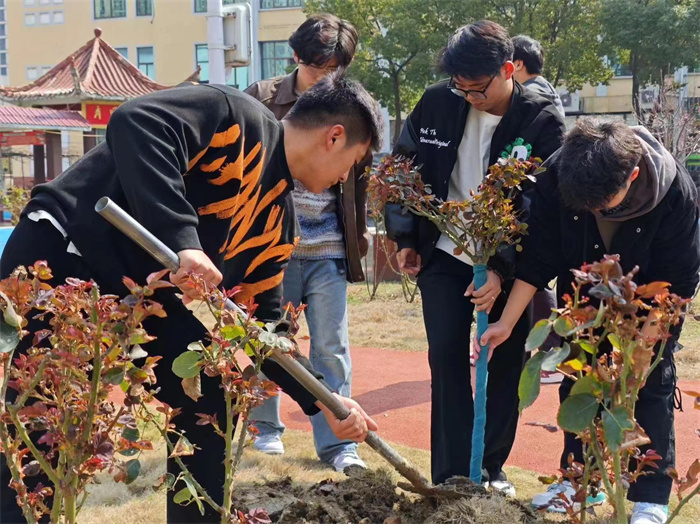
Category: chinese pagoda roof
[96,71]
[21,118]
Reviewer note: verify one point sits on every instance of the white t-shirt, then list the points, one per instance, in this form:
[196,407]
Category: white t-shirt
[471,165]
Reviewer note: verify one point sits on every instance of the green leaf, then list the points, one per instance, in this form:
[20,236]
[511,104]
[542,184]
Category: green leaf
[577,412]
[615,341]
[9,337]
[114,376]
[10,315]
[183,496]
[232,332]
[563,326]
[129,452]
[186,365]
[615,423]
[130,434]
[529,387]
[133,468]
[193,491]
[587,347]
[538,335]
[124,386]
[587,384]
[555,357]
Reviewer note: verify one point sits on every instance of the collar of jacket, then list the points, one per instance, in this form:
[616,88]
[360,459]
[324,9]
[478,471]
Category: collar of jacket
[285,91]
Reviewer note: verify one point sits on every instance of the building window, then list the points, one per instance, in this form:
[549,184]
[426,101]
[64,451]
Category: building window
[200,6]
[58,17]
[45,69]
[29,3]
[276,58]
[29,19]
[45,18]
[145,62]
[144,7]
[32,73]
[280,4]
[201,59]
[124,51]
[57,1]
[109,8]
[44,2]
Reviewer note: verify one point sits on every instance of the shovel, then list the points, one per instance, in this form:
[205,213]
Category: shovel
[167,257]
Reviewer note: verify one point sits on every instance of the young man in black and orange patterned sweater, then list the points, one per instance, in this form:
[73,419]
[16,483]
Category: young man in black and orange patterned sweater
[207,169]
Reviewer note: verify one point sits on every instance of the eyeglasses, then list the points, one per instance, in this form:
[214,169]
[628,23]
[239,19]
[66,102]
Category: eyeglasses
[324,68]
[464,93]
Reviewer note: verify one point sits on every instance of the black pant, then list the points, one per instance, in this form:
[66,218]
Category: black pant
[448,318]
[654,412]
[33,241]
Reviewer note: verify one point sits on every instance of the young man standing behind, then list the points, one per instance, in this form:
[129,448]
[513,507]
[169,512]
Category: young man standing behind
[331,244]
[528,59]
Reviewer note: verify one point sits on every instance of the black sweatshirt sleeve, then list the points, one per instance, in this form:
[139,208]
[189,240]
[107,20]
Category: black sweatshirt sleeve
[549,140]
[401,225]
[152,139]
[537,263]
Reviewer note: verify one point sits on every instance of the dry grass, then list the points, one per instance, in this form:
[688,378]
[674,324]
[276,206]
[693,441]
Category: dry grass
[137,504]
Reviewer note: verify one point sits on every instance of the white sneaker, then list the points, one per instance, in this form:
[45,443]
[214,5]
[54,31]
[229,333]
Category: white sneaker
[548,499]
[269,444]
[342,461]
[502,485]
[648,513]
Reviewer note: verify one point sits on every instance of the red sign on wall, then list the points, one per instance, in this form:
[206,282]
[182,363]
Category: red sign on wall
[21,138]
[97,113]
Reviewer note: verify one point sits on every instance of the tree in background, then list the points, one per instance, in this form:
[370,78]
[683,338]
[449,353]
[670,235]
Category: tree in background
[567,30]
[399,44]
[656,36]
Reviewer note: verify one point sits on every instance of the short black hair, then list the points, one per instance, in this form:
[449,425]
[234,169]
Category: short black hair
[477,50]
[323,37]
[530,52]
[596,162]
[337,100]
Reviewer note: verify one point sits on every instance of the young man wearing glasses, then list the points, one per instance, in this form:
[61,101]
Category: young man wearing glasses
[459,128]
[332,240]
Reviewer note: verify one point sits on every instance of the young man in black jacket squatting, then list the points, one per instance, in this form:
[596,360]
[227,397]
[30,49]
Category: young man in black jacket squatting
[459,128]
[207,169]
[613,189]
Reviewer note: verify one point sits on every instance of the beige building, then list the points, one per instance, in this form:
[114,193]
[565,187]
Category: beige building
[166,39]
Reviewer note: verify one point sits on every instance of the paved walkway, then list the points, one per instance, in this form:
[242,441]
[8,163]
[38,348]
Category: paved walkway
[394,388]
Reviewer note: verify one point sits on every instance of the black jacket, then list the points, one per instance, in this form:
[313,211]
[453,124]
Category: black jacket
[663,242]
[201,167]
[432,135]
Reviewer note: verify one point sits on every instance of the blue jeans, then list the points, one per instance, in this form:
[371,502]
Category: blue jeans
[321,285]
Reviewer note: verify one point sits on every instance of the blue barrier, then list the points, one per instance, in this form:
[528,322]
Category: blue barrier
[5,233]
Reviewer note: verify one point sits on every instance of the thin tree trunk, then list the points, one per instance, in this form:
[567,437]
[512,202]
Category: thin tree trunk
[398,122]
[635,84]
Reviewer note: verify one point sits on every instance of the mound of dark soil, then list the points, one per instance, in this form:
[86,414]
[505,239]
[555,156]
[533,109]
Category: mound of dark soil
[371,497]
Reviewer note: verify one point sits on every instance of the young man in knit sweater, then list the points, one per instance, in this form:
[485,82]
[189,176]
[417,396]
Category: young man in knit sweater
[332,241]
[207,169]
